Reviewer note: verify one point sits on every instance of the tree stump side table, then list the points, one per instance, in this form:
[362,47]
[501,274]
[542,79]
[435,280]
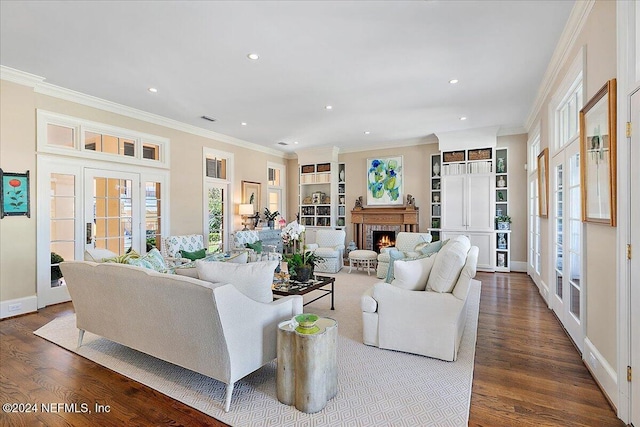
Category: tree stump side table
[307,375]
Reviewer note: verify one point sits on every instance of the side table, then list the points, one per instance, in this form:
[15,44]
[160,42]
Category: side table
[307,375]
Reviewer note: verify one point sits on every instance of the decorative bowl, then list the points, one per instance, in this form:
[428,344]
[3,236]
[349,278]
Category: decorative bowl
[307,320]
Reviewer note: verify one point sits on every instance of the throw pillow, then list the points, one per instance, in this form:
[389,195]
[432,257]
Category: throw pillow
[123,259]
[256,246]
[154,257]
[448,265]
[434,247]
[192,256]
[413,274]
[421,245]
[253,279]
[98,254]
[140,262]
[394,255]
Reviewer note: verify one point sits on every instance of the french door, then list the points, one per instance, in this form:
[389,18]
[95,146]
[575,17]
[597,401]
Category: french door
[568,298]
[82,207]
[634,279]
[112,211]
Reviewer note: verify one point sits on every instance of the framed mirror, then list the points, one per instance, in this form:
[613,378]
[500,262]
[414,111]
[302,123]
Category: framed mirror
[543,183]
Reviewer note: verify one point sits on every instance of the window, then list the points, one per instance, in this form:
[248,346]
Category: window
[70,136]
[275,188]
[153,211]
[218,214]
[568,115]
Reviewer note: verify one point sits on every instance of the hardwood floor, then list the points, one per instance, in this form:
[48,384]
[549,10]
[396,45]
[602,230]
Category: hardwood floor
[527,372]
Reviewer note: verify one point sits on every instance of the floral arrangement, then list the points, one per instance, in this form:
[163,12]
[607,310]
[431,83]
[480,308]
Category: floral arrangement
[293,236]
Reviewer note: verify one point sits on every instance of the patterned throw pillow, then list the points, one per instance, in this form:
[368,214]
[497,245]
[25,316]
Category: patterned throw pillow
[193,255]
[257,246]
[124,258]
[140,262]
[157,261]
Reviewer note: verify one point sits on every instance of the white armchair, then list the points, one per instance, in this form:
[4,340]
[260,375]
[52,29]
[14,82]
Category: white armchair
[330,246]
[174,244]
[240,240]
[424,310]
[405,242]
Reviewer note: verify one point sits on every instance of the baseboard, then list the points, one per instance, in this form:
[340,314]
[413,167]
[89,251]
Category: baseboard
[519,266]
[544,291]
[18,306]
[602,372]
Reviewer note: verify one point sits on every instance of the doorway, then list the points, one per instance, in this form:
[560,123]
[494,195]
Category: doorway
[634,278]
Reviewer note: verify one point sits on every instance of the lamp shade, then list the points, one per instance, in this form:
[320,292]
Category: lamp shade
[245,209]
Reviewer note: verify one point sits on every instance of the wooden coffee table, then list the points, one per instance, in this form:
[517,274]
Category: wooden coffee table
[318,283]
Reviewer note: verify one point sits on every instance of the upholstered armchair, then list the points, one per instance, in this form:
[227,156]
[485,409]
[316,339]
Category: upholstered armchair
[406,242]
[174,244]
[330,246]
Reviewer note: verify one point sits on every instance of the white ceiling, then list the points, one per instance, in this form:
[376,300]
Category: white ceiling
[383,66]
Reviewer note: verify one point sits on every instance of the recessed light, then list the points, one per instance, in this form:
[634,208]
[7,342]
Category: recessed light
[366,132]
[463,118]
[243,123]
[253,56]
[328,107]
[153,90]
[453,81]
[295,142]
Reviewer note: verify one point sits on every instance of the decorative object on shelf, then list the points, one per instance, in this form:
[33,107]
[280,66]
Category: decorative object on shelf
[500,168]
[341,200]
[502,260]
[251,194]
[300,261]
[385,181]
[270,217]
[358,204]
[14,194]
[453,156]
[436,169]
[411,201]
[341,175]
[502,241]
[436,198]
[500,196]
[543,183]
[307,200]
[503,222]
[502,182]
[598,156]
[435,223]
[480,154]
[340,222]
[245,210]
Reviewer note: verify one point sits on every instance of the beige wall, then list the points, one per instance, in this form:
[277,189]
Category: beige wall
[598,37]
[17,154]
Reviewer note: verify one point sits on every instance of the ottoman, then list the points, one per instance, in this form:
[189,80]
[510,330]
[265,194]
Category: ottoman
[362,258]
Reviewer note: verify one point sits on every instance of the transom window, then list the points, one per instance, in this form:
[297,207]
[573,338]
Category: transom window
[568,115]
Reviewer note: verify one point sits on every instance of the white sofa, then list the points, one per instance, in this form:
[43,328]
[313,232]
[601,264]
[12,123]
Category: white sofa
[210,328]
[424,310]
[405,242]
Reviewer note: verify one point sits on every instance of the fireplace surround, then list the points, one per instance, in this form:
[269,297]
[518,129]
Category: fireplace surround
[392,219]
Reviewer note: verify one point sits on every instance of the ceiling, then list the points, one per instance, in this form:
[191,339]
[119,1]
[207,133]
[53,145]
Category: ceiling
[384,66]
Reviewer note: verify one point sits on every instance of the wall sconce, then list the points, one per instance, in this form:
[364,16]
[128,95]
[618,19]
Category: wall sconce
[245,210]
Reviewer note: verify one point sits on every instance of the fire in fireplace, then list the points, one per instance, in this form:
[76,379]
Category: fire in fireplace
[383,239]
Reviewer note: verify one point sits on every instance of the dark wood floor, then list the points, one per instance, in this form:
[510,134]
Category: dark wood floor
[527,372]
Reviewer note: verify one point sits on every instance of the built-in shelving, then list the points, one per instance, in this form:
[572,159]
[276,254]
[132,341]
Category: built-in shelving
[319,194]
[503,237]
[436,197]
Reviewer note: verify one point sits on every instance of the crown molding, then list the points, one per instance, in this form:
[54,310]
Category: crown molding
[39,86]
[20,77]
[428,139]
[511,130]
[575,23]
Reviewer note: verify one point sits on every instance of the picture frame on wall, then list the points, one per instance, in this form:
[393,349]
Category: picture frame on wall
[543,183]
[598,156]
[385,181]
[14,194]
[251,194]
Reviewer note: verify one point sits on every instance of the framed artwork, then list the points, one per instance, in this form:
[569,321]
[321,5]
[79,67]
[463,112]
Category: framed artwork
[14,194]
[598,156]
[543,183]
[385,181]
[251,194]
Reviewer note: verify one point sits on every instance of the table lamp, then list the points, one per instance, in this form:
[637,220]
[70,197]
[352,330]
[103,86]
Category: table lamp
[245,210]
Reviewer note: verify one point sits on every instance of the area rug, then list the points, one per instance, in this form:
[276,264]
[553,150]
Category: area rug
[375,387]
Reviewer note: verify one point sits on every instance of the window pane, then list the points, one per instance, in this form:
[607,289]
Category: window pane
[92,141]
[152,215]
[217,168]
[59,135]
[150,151]
[274,177]
[110,144]
[216,218]
[575,301]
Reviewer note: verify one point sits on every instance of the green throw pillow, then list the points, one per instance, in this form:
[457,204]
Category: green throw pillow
[123,259]
[394,255]
[193,255]
[257,246]
[433,247]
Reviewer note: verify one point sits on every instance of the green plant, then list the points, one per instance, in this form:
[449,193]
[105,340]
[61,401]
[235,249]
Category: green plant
[270,216]
[298,260]
[56,273]
[503,218]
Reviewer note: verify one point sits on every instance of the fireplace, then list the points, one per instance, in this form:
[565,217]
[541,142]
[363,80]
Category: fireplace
[392,220]
[382,239]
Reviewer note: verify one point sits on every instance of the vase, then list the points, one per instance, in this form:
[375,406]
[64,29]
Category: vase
[436,169]
[341,175]
[303,273]
[270,224]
